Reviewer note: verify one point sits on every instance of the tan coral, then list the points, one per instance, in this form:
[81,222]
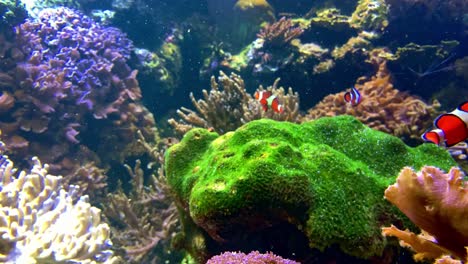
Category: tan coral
[438,204]
[382,107]
[40,221]
[226,110]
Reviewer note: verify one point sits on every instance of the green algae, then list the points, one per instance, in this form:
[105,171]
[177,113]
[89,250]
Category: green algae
[325,177]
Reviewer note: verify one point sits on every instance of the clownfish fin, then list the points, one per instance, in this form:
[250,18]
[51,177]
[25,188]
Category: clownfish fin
[463,106]
[435,136]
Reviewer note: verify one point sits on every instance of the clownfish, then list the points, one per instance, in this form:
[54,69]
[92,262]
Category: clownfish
[352,97]
[268,100]
[451,128]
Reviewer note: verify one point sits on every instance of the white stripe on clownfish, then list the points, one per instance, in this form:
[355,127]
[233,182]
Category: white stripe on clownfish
[461,114]
[270,100]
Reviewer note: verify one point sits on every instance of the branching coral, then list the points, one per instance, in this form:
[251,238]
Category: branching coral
[41,222]
[228,109]
[144,219]
[279,33]
[382,107]
[438,204]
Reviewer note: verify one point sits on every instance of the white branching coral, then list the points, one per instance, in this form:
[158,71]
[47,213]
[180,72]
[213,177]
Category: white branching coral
[40,222]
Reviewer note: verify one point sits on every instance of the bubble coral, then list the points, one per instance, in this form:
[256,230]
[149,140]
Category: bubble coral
[41,222]
[438,204]
[253,257]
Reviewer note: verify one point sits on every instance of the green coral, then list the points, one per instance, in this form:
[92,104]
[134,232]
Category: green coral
[421,57]
[325,177]
[12,13]
[163,69]
[330,18]
[370,15]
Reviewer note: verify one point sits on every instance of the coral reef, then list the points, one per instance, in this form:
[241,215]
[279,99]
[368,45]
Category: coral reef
[382,107]
[161,69]
[279,34]
[254,257]
[12,13]
[370,15]
[40,222]
[315,185]
[226,110]
[438,204]
[143,218]
[65,86]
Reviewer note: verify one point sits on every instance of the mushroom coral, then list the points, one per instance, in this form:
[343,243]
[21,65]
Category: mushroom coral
[438,204]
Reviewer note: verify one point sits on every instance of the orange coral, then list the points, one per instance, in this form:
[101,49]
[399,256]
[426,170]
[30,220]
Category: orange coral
[438,204]
[382,107]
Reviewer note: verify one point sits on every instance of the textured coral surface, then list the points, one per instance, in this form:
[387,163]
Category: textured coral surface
[320,181]
[40,222]
[254,257]
[438,204]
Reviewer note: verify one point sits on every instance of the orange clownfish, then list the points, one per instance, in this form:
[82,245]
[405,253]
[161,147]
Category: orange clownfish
[268,100]
[451,128]
[353,97]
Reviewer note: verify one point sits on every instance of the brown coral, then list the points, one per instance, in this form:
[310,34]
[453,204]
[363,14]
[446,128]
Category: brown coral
[226,110]
[382,107]
[438,204]
[279,33]
[144,218]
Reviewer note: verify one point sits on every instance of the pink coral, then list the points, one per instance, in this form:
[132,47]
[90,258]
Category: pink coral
[253,257]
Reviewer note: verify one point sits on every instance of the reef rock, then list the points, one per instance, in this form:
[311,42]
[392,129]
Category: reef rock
[294,189]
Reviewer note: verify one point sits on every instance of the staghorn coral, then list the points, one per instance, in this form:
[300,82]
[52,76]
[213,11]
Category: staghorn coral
[253,257]
[40,222]
[228,109]
[438,204]
[382,107]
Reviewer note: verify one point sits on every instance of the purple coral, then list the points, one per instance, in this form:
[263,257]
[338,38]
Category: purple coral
[67,85]
[75,64]
[253,257]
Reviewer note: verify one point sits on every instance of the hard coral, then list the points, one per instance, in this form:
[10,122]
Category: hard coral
[382,107]
[253,257]
[41,222]
[438,204]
